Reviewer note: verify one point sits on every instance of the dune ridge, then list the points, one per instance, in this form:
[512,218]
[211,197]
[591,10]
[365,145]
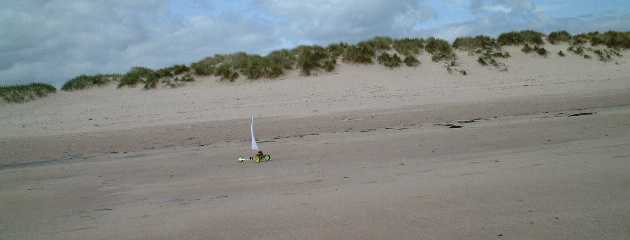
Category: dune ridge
[350,88]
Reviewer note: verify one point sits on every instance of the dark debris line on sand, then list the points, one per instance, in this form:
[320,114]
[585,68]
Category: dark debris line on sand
[449,125]
[34,163]
[581,114]
[453,125]
[470,121]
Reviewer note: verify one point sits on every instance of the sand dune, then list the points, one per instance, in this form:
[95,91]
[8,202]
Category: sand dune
[538,152]
[351,88]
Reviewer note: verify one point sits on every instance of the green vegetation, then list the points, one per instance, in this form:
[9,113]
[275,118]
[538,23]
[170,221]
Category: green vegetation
[561,53]
[577,50]
[172,71]
[439,49]
[613,40]
[207,66]
[225,72]
[361,54]
[520,38]
[283,58]
[231,66]
[604,54]
[607,54]
[409,46]
[485,61]
[25,93]
[609,39]
[390,61]
[86,81]
[411,61]
[541,51]
[256,67]
[475,43]
[452,67]
[379,43]
[177,81]
[581,39]
[336,50]
[487,47]
[170,77]
[538,49]
[561,36]
[527,49]
[330,64]
[139,75]
[151,79]
[490,58]
[313,58]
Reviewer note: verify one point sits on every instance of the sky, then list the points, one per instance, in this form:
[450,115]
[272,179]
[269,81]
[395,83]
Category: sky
[52,41]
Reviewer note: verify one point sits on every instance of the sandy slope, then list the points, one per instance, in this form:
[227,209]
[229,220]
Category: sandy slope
[365,153]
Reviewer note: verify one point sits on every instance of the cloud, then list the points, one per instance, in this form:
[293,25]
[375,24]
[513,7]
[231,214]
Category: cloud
[493,17]
[336,20]
[490,17]
[502,6]
[53,41]
[507,14]
[48,39]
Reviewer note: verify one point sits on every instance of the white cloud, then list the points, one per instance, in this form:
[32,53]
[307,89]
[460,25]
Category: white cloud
[335,20]
[53,41]
[493,18]
[497,9]
[502,6]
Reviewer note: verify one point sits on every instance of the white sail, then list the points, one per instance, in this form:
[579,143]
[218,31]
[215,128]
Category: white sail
[254,144]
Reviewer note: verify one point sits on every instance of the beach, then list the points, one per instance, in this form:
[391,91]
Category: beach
[539,151]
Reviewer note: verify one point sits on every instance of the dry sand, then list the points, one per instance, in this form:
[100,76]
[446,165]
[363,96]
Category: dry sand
[543,152]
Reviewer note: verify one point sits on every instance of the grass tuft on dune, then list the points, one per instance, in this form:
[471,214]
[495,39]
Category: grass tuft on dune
[25,93]
[520,38]
[557,37]
[439,49]
[389,60]
[486,47]
[86,81]
[609,39]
